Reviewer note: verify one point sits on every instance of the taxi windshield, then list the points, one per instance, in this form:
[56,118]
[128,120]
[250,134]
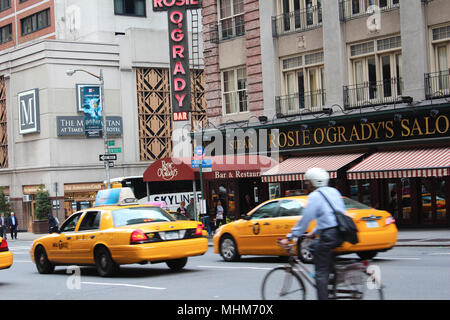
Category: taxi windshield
[351,204]
[130,216]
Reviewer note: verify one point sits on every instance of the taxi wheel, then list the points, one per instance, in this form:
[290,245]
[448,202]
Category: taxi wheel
[177,264]
[105,265]
[367,255]
[43,265]
[228,249]
[304,254]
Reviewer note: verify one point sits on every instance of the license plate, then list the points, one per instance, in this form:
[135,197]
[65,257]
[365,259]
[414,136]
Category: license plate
[372,224]
[172,235]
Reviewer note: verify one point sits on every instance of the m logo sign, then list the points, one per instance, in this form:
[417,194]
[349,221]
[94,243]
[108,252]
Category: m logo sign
[29,111]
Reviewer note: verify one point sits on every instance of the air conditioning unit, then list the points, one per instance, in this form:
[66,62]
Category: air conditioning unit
[27,198]
[7,198]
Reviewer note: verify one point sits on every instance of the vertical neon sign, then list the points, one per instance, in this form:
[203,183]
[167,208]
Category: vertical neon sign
[179,54]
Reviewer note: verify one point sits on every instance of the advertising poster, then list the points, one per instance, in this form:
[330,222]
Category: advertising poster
[89,102]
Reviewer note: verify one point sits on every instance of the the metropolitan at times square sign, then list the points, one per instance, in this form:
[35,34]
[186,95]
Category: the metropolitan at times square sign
[179,54]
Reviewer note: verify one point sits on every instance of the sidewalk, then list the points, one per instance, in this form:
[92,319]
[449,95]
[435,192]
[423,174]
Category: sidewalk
[436,237]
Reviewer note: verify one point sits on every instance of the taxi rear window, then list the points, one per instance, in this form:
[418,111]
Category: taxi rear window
[351,204]
[130,216]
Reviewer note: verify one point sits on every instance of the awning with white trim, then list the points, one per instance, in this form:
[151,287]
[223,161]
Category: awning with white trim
[293,169]
[403,164]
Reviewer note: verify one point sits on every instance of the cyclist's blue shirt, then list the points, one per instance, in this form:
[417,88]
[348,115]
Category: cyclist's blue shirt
[319,209]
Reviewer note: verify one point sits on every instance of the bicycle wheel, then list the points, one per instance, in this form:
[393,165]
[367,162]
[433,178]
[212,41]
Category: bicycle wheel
[282,283]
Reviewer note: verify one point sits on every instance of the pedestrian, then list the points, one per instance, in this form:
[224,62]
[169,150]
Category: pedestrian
[52,223]
[181,209]
[316,181]
[3,225]
[190,209]
[13,225]
[220,214]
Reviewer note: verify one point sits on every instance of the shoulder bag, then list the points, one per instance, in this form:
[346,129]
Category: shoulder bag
[346,225]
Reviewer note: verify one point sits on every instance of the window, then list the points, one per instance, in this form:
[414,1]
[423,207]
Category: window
[290,208]
[231,18]
[6,33]
[304,85]
[299,15]
[235,91]
[130,7]
[269,210]
[441,45]
[5,4]
[377,70]
[355,8]
[130,216]
[71,223]
[35,22]
[91,221]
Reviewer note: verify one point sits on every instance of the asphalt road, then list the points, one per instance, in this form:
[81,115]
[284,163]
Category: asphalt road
[408,274]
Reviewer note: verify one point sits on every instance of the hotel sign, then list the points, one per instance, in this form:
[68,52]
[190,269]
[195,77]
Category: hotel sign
[179,54]
[29,117]
[74,125]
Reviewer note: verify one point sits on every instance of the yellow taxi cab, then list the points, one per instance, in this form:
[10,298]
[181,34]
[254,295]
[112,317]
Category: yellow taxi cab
[6,256]
[258,231]
[116,232]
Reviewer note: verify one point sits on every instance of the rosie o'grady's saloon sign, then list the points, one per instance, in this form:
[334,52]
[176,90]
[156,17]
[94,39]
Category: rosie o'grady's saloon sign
[179,54]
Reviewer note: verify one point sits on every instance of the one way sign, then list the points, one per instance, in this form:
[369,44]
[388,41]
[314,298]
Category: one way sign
[107,157]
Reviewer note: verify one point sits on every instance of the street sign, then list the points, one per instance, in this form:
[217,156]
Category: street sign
[206,163]
[199,151]
[110,164]
[107,157]
[115,150]
[111,143]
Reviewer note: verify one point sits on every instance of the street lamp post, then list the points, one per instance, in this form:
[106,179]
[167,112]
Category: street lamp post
[105,134]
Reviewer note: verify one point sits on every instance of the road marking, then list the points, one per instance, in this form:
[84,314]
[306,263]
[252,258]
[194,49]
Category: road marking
[14,261]
[439,253]
[249,268]
[395,258]
[122,285]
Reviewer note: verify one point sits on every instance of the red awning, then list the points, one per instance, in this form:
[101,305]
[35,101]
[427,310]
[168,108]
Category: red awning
[222,167]
[293,169]
[403,164]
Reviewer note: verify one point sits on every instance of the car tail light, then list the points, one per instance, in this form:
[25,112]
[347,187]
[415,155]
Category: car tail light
[199,230]
[389,220]
[138,236]
[4,245]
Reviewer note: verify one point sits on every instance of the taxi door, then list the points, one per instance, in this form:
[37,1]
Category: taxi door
[289,213]
[60,249]
[86,236]
[255,234]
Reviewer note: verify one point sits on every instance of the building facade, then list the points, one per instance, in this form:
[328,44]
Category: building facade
[360,88]
[42,128]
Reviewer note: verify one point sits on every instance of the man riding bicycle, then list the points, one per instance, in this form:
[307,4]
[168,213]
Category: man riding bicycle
[316,182]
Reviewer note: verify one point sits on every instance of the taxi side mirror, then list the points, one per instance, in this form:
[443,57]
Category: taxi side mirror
[54,230]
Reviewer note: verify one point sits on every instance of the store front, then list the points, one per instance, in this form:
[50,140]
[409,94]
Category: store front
[228,179]
[79,196]
[415,192]
[412,184]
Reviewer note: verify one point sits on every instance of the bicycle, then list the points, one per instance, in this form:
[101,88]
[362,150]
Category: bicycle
[348,280]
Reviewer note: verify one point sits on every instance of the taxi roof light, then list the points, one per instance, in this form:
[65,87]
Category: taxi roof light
[114,197]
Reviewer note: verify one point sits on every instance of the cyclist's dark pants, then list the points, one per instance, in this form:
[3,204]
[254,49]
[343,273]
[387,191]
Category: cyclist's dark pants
[323,258]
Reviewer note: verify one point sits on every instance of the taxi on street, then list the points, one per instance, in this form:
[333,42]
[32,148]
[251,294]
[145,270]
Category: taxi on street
[6,256]
[258,231]
[118,231]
